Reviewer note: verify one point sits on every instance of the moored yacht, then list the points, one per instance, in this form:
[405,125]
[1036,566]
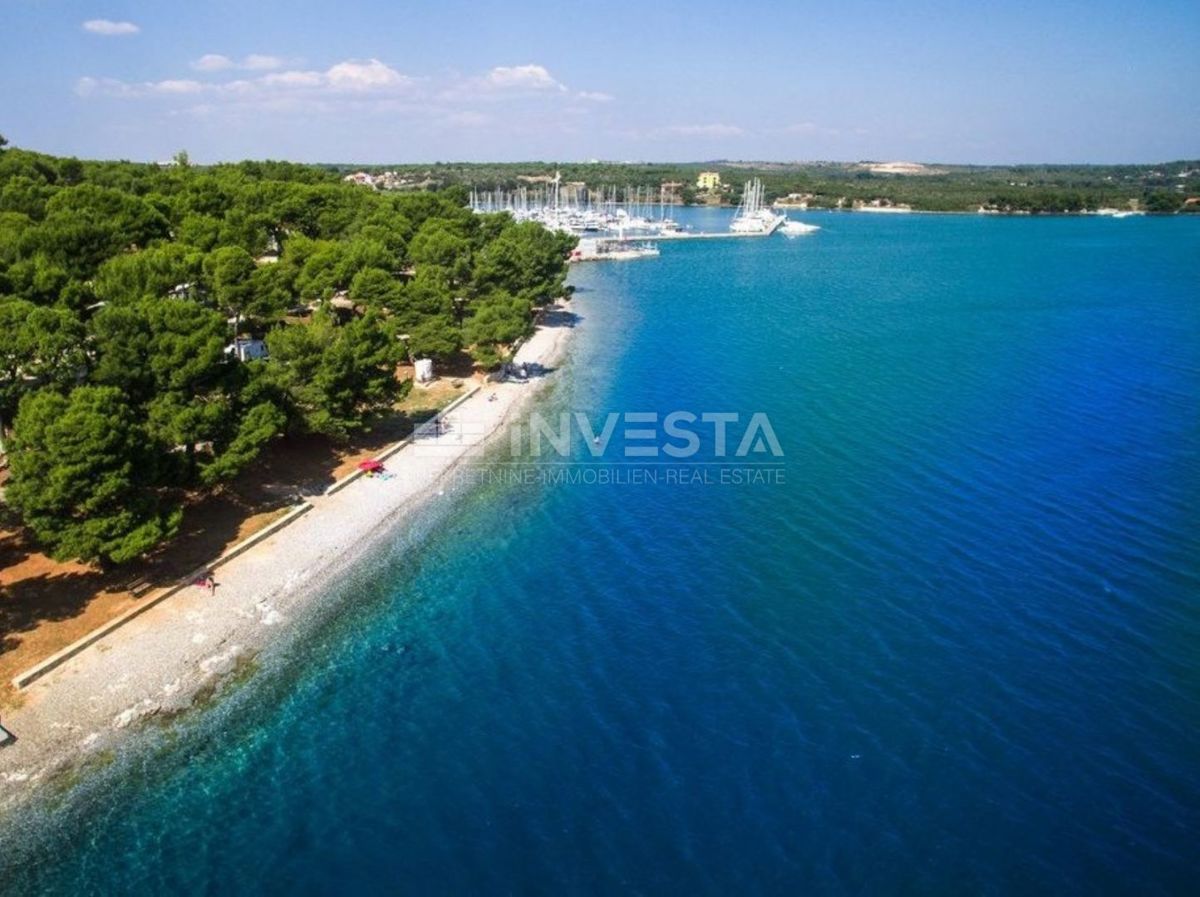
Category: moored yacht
[753,217]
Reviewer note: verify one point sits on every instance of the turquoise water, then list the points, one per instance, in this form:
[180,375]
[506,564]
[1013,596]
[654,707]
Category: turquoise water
[956,651]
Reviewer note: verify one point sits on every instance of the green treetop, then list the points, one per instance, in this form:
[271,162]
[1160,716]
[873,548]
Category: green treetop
[80,466]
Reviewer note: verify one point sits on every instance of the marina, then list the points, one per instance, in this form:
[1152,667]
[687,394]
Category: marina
[573,208]
[593,250]
[701,235]
[623,225]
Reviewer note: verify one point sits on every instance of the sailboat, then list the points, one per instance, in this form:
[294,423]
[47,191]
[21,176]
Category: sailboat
[753,217]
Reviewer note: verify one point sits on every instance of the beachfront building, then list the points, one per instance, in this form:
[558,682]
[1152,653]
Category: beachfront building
[709,180]
[386,180]
[183,291]
[671,191]
[246,349]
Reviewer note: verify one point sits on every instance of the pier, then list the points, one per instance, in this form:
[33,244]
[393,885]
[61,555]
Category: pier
[688,235]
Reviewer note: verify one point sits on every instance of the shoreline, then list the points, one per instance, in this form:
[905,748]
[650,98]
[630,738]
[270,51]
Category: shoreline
[159,664]
[976,213]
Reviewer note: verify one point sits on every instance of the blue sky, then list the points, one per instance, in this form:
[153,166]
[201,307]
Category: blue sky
[445,80]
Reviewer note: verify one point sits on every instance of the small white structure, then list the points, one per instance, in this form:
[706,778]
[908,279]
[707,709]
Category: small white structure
[247,349]
[341,299]
[423,369]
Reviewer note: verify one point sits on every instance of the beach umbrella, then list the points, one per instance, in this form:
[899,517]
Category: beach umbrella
[370,465]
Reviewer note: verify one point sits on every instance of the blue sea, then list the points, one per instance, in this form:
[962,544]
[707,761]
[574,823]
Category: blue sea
[952,646]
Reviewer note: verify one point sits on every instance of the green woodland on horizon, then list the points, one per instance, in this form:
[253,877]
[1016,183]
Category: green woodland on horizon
[1159,188]
[123,287]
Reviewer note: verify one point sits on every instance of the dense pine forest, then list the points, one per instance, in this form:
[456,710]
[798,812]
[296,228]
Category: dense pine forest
[161,324]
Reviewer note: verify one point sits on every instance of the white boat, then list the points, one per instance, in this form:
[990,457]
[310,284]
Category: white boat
[612,251]
[791,228]
[753,217]
[1118,213]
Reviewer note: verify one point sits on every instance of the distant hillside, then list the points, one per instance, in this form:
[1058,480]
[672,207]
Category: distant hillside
[1163,187]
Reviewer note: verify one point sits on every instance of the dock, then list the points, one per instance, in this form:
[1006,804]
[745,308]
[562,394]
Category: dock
[687,235]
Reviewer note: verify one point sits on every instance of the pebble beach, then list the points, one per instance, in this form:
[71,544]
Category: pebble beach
[161,661]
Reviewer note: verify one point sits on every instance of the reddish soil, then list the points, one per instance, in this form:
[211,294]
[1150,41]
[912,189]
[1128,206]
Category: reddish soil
[46,604]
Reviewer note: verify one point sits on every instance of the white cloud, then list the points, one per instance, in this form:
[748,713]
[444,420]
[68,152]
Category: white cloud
[350,79]
[255,62]
[260,62]
[176,86]
[292,79]
[109,28]
[213,62]
[371,77]
[364,75]
[113,88]
[239,89]
[522,77]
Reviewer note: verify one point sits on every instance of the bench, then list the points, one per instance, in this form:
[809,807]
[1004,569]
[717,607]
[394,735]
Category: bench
[139,587]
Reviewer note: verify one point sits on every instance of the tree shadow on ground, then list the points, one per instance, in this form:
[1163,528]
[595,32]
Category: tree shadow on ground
[36,589]
[559,317]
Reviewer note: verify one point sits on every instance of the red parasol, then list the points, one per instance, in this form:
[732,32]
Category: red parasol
[370,465]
